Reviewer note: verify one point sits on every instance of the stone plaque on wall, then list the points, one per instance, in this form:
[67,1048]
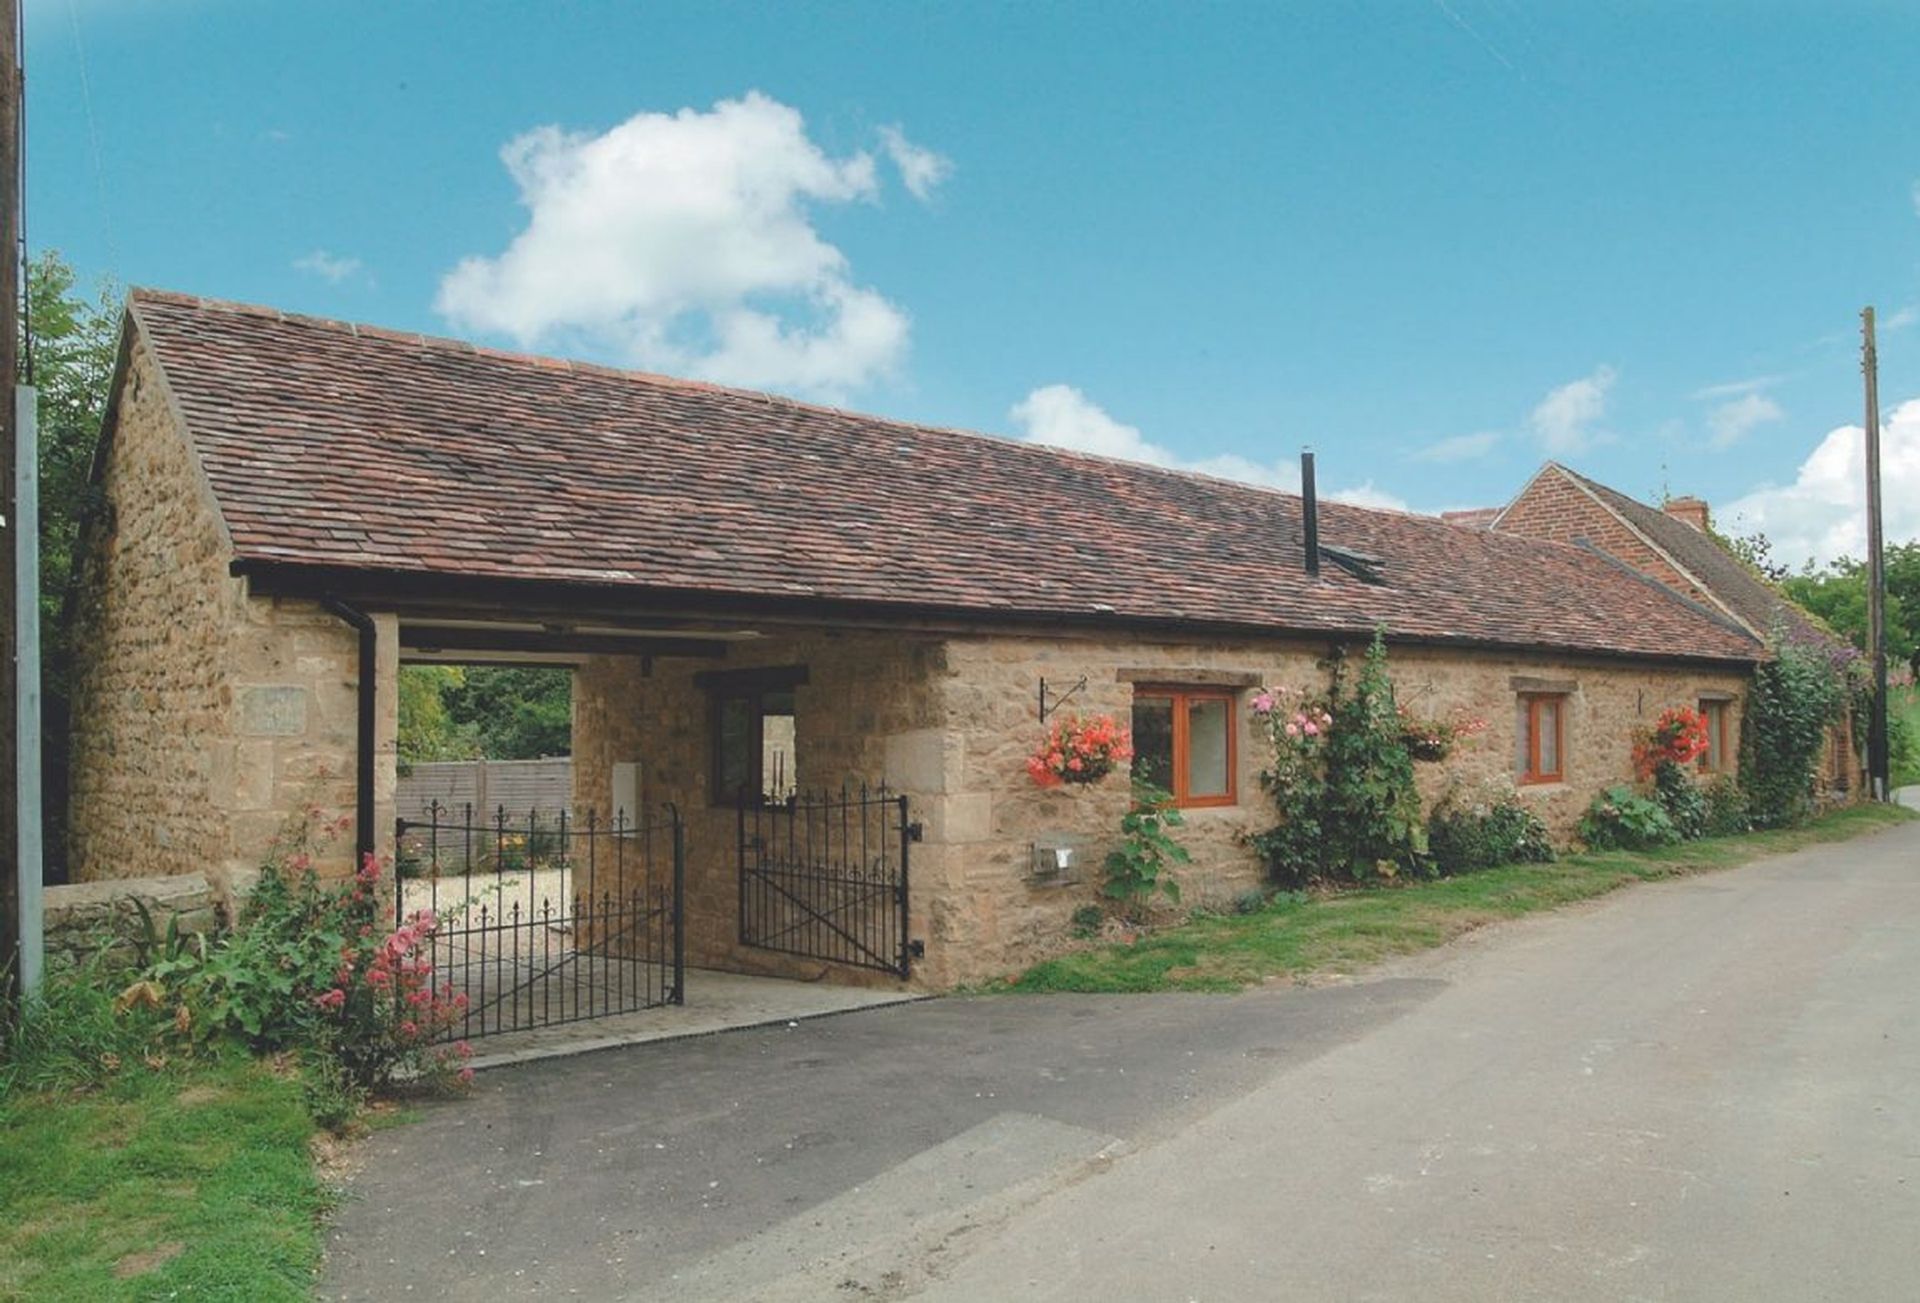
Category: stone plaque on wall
[273,712]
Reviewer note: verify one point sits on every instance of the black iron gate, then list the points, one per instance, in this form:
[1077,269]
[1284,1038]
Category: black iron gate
[824,876]
[547,919]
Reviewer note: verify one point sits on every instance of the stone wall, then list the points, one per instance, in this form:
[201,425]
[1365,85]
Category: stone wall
[868,713]
[87,918]
[993,916]
[203,717]
[951,723]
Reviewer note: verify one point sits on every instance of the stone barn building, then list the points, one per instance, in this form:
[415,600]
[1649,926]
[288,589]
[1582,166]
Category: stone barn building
[294,508]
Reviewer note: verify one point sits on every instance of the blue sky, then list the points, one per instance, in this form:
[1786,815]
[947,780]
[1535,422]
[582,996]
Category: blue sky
[1438,241]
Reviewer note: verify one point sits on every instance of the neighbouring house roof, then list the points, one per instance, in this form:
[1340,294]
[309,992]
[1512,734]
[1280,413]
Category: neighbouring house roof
[1704,559]
[330,446]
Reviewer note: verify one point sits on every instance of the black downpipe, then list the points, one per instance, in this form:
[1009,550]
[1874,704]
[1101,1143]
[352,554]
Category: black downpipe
[1310,512]
[363,837]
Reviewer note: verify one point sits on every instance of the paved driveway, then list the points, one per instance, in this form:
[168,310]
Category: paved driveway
[1704,1089]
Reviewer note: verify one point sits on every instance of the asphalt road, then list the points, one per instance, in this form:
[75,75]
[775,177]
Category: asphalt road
[1706,1089]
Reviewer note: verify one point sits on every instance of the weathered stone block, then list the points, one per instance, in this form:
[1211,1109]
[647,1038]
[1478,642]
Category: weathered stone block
[273,711]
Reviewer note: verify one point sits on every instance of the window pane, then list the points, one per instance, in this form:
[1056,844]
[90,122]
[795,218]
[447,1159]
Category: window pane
[1522,726]
[1153,741]
[1547,716]
[1715,713]
[733,746]
[1207,721]
[777,773]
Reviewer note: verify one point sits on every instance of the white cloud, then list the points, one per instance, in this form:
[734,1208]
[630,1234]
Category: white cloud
[1822,514]
[1063,417]
[1565,418]
[1902,318]
[684,242]
[921,170]
[1731,422]
[329,267]
[1459,447]
[1735,388]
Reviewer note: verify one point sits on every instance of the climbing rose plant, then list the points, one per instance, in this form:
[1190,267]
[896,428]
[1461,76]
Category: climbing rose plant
[1080,751]
[1341,779]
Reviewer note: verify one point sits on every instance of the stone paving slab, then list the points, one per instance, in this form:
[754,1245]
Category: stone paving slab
[716,1002]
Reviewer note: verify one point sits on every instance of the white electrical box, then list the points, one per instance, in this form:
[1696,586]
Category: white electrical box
[626,793]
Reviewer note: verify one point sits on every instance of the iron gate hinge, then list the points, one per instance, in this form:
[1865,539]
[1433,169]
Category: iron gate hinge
[916,832]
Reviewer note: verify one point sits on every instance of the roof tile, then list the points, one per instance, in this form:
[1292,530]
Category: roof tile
[333,445]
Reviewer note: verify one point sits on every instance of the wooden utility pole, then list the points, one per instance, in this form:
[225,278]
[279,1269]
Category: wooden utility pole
[10,595]
[1878,779]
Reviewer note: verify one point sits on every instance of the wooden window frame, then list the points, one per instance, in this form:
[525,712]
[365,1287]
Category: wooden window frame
[1534,776]
[1710,707]
[1181,697]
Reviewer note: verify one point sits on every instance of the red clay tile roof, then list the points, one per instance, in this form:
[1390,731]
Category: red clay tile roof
[1745,593]
[333,445]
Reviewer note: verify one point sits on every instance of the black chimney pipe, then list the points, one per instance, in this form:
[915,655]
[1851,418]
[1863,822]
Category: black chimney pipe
[1310,512]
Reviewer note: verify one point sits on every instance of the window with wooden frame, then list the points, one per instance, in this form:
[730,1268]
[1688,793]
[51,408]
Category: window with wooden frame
[1183,742]
[753,733]
[1718,756]
[1540,737]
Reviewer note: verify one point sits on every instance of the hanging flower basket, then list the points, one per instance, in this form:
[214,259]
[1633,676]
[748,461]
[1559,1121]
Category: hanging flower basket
[1434,739]
[1080,751]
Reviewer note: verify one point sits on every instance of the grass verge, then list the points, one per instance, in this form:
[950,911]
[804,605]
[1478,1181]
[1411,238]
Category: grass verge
[1304,934]
[192,1181]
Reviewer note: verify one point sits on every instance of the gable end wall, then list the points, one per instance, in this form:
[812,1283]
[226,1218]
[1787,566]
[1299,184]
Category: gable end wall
[202,716]
[1554,508]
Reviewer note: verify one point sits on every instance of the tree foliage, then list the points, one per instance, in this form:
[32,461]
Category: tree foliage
[1837,593]
[452,712]
[73,338]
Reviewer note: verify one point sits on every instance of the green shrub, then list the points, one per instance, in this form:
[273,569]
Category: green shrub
[1138,869]
[1796,693]
[1622,819]
[1682,799]
[1903,747]
[1250,902]
[321,969]
[1728,814]
[1466,835]
[1087,920]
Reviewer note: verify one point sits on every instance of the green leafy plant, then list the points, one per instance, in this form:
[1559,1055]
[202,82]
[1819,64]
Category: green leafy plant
[1728,814]
[1466,833]
[1796,693]
[1622,819]
[1087,920]
[317,967]
[1681,798]
[1138,868]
